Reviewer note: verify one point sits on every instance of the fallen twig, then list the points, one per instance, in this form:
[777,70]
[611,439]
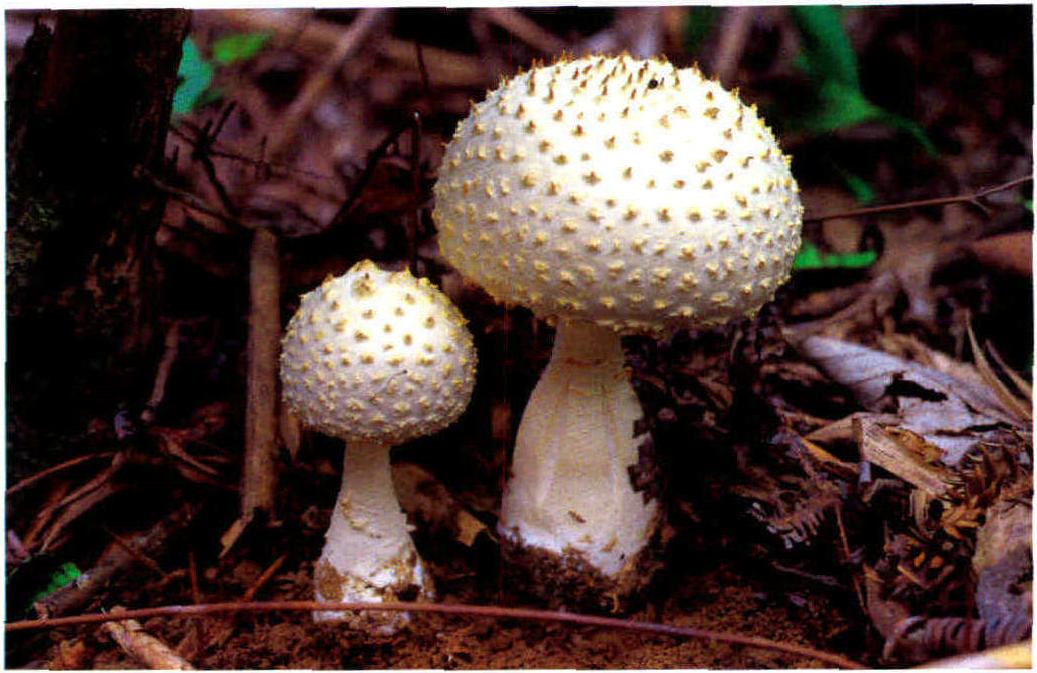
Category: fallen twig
[491,611]
[316,37]
[346,45]
[373,158]
[261,581]
[525,29]
[113,561]
[171,346]
[72,462]
[970,199]
[259,481]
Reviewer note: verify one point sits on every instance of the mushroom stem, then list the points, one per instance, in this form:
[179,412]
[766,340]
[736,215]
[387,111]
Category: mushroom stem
[570,489]
[368,552]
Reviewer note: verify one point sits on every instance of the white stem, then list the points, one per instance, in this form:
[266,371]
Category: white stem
[570,487]
[368,552]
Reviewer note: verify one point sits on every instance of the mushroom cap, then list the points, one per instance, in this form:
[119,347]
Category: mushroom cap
[377,356]
[621,191]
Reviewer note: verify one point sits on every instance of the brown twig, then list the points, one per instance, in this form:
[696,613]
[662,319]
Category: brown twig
[220,150]
[734,33]
[192,574]
[373,158]
[415,159]
[419,54]
[43,474]
[184,197]
[113,561]
[261,581]
[259,480]
[970,199]
[347,44]
[525,29]
[135,553]
[846,553]
[171,346]
[491,611]
[316,37]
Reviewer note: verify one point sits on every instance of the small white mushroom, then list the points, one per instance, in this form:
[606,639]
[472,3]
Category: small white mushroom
[376,359]
[614,196]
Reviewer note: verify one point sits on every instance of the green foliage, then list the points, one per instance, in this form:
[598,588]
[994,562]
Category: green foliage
[196,73]
[238,47]
[862,191]
[827,57]
[698,24]
[62,577]
[810,257]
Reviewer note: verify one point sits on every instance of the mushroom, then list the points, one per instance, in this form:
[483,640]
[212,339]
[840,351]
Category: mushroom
[611,196]
[374,358]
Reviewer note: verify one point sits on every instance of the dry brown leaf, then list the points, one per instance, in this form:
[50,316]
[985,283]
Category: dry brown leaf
[425,499]
[947,411]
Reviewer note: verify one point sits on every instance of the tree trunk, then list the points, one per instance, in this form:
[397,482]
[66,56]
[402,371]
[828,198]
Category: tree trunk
[88,107]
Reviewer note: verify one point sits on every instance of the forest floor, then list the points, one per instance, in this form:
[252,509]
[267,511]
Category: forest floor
[850,471]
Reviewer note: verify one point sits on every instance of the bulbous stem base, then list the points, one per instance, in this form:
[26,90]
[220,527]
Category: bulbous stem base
[368,552]
[570,492]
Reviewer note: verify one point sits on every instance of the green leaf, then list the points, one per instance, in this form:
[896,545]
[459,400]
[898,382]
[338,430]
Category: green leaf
[195,75]
[810,257]
[828,59]
[239,47]
[62,577]
[697,26]
[863,192]
[827,53]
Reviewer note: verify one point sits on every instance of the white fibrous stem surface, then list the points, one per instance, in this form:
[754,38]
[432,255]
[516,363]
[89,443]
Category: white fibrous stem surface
[368,552]
[570,487]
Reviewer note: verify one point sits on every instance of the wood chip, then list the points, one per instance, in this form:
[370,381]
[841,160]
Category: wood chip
[144,648]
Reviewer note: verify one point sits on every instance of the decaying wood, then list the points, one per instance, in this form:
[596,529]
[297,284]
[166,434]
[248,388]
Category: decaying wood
[144,648]
[879,448]
[116,559]
[260,481]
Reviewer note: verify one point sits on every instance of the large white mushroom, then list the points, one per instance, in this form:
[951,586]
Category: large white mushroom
[376,359]
[611,196]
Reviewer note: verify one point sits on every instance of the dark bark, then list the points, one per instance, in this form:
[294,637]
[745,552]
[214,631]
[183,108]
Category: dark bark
[89,106]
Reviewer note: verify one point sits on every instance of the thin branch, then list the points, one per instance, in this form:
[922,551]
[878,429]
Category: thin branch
[454,609]
[219,151]
[415,226]
[314,89]
[265,577]
[419,53]
[184,197]
[32,479]
[970,199]
[525,29]
[361,182]
[171,347]
[734,33]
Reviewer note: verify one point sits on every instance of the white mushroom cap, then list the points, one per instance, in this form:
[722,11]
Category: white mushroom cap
[377,356]
[625,192]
